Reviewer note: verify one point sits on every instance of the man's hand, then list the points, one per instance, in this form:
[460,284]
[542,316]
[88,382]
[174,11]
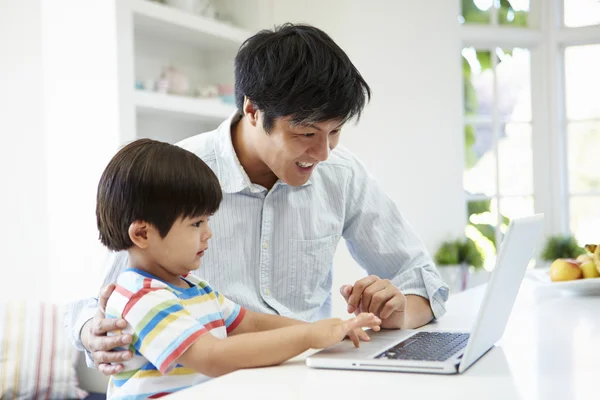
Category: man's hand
[377,296]
[94,338]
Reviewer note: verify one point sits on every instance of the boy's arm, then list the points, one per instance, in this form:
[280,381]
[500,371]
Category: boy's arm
[214,357]
[260,322]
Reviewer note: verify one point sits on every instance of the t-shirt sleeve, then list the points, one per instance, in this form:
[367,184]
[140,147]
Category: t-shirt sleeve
[233,313]
[162,328]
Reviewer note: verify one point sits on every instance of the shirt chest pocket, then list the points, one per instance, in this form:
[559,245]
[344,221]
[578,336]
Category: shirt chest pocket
[312,261]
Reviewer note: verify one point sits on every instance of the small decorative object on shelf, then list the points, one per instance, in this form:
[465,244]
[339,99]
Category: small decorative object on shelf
[173,81]
[207,91]
[206,8]
[149,85]
[190,6]
[226,93]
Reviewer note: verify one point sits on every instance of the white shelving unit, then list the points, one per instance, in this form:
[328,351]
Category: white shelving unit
[180,107]
[152,36]
[161,20]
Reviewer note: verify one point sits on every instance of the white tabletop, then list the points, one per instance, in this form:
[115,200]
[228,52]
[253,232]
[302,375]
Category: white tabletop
[550,350]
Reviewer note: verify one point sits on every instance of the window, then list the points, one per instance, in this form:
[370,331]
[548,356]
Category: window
[579,13]
[506,172]
[498,177]
[582,95]
[502,12]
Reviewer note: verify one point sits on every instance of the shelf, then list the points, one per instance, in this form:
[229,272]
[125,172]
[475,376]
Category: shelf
[183,108]
[154,19]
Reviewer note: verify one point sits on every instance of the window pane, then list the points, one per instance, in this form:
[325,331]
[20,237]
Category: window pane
[476,11]
[481,227]
[582,12]
[480,163]
[514,84]
[478,80]
[582,81]
[513,12]
[584,157]
[515,160]
[585,218]
[515,207]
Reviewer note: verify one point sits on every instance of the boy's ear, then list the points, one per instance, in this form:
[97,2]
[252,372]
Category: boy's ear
[138,233]
[250,111]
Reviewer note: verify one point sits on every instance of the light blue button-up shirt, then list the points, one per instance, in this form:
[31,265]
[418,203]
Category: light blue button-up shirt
[272,250]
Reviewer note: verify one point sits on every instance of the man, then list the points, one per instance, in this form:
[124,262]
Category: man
[288,197]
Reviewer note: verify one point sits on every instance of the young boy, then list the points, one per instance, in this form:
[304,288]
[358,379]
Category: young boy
[154,200]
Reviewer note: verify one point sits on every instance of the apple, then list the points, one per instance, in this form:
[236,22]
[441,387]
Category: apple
[588,269]
[565,269]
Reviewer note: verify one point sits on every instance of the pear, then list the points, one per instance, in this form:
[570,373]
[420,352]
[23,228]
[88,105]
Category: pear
[588,270]
[594,253]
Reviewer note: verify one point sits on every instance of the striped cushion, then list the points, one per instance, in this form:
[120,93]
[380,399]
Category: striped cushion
[37,361]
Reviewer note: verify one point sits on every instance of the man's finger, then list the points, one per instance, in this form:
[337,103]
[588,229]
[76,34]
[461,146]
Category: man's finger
[108,369]
[370,291]
[107,343]
[380,298]
[110,357]
[396,304]
[345,291]
[104,295]
[357,291]
[102,326]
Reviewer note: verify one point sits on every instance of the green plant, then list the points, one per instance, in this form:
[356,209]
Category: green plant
[458,252]
[561,246]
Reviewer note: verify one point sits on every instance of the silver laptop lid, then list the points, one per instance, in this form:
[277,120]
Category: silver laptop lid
[515,252]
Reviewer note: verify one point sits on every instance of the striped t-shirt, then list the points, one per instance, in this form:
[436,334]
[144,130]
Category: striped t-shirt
[164,321]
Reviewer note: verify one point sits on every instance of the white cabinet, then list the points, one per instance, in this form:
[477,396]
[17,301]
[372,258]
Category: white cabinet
[154,36]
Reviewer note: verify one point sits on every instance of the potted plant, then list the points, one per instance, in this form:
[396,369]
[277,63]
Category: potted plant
[459,261]
[561,246]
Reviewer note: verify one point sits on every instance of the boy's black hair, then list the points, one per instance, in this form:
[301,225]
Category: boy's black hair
[155,182]
[300,72]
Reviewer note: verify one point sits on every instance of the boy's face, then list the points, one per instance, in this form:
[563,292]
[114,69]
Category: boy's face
[292,152]
[182,249]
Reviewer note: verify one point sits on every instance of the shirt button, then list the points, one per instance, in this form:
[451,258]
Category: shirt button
[265,244]
[268,292]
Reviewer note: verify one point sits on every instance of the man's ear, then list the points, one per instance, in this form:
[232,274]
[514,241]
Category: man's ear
[138,233]
[250,111]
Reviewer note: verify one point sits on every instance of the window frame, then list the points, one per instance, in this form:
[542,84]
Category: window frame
[546,38]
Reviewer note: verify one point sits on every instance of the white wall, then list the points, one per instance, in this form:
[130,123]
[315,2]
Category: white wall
[23,197]
[59,124]
[60,120]
[82,130]
[410,136]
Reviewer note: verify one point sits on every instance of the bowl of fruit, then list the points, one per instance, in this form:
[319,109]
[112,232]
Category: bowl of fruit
[579,275]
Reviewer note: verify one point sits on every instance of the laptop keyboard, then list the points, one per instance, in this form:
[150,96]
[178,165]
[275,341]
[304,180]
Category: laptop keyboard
[427,346]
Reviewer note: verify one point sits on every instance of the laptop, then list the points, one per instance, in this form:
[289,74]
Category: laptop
[447,352]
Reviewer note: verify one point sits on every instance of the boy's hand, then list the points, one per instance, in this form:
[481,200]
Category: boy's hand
[331,331]
[93,336]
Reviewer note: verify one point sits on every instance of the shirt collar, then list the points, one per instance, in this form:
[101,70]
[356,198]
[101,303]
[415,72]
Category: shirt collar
[232,176]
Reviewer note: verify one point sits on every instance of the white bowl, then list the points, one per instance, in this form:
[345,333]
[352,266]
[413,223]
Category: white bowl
[586,287]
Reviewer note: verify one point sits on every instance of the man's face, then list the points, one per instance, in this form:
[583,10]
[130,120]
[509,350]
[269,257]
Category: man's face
[292,152]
